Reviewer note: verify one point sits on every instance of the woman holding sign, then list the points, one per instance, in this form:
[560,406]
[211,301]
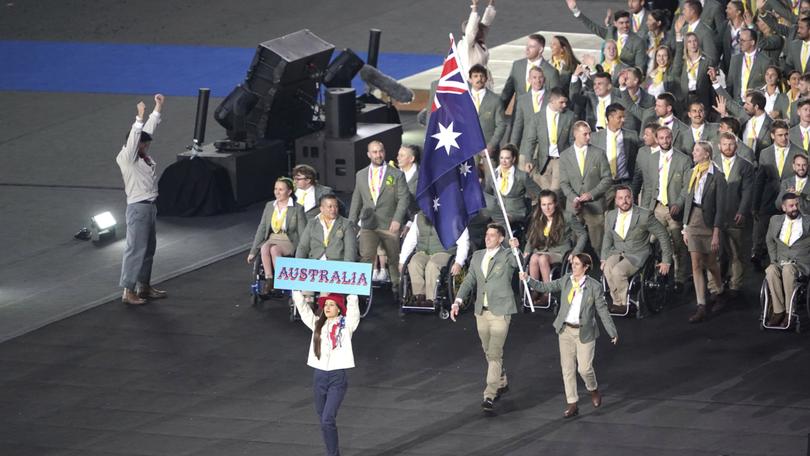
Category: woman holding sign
[281,227]
[330,354]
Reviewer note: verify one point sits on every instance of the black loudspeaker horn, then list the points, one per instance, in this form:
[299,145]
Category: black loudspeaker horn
[343,69]
[341,113]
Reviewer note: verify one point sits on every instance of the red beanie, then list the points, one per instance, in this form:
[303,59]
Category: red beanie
[339,299]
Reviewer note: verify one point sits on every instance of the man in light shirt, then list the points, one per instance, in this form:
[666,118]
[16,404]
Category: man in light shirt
[548,135]
[308,191]
[528,104]
[747,69]
[800,134]
[328,236]
[788,242]
[797,184]
[519,78]
[489,108]
[699,129]
[141,187]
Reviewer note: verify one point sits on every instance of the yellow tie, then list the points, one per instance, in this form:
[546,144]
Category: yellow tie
[726,166]
[557,62]
[665,187]
[620,227]
[600,114]
[752,133]
[302,201]
[690,28]
[620,45]
[552,135]
[788,232]
[805,138]
[374,184]
[547,229]
[800,185]
[536,102]
[613,152]
[328,232]
[573,292]
[504,182]
[581,161]
[692,68]
[746,73]
[277,221]
[477,100]
[780,159]
[696,134]
[805,52]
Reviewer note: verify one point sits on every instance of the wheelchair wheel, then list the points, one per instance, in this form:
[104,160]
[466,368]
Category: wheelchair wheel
[257,282]
[655,288]
[764,304]
[365,303]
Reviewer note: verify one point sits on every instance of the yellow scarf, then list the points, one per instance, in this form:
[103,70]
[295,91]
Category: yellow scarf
[609,65]
[697,173]
[659,76]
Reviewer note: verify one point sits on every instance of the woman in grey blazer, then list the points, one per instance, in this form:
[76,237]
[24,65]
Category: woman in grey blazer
[776,102]
[552,234]
[281,227]
[516,191]
[582,299]
[704,220]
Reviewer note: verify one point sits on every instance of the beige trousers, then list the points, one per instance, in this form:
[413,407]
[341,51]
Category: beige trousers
[370,239]
[492,330]
[576,356]
[550,179]
[618,272]
[681,254]
[424,272]
[734,244]
[596,228]
[781,282]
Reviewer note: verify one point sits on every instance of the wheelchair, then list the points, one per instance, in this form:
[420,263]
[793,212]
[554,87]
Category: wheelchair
[258,280]
[446,289]
[648,290]
[800,295]
[558,270]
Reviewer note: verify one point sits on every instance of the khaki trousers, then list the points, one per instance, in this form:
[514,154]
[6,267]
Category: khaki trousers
[370,239]
[424,272]
[736,257]
[576,356]
[492,330]
[618,272]
[781,282]
[596,228]
[550,179]
[681,254]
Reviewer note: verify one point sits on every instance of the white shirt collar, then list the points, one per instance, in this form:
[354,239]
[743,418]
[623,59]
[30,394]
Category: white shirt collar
[290,202]
[411,172]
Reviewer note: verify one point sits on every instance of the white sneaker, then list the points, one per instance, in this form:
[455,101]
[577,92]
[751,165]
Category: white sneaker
[384,275]
[375,275]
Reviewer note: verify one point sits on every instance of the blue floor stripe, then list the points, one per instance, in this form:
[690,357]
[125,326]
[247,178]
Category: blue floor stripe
[138,69]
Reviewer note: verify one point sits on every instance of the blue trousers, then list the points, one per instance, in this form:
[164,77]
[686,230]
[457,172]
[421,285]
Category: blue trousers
[141,244]
[329,388]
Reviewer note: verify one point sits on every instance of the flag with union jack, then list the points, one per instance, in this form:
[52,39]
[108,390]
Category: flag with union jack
[449,192]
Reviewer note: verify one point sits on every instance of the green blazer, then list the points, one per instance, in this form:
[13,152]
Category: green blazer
[535,144]
[679,173]
[516,82]
[523,116]
[296,223]
[630,143]
[517,199]
[766,187]
[596,180]
[392,202]
[756,78]
[491,118]
[635,247]
[634,52]
[804,195]
[593,302]
[342,241]
[739,194]
[712,203]
[497,284]
[687,141]
[574,238]
[735,109]
[798,253]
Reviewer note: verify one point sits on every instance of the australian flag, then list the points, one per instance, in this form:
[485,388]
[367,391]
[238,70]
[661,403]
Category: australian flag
[449,192]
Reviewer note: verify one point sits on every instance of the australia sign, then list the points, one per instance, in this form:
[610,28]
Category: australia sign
[323,276]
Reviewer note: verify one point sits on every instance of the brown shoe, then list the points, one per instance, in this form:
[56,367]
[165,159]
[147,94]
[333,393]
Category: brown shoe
[596,398]
[267,287]
[700,315]
[776,319]
[570,411]
[130,298]
[419,300]
[428,303]
[150,292]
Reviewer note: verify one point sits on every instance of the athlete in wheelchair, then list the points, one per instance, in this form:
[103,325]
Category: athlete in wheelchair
[631,268]
[430,272]
[553,236]
[788,241]
[282,224]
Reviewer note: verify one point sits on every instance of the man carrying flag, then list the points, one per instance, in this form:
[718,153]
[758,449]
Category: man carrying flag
[449,194]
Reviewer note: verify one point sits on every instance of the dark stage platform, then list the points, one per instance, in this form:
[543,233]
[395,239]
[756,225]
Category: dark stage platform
[204,373]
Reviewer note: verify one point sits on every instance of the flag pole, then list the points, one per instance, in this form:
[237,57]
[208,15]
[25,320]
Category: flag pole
[526,291]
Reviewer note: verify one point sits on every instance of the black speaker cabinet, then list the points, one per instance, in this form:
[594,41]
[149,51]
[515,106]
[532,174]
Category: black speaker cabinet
[288,60]
[341,113]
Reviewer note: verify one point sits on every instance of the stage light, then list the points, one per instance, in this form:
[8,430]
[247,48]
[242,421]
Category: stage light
[102,227]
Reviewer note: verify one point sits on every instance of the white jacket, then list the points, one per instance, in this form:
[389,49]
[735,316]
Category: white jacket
[340,357]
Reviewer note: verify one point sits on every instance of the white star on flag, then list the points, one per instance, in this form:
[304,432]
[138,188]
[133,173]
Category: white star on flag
[464,169]
[436,204]
[447,138]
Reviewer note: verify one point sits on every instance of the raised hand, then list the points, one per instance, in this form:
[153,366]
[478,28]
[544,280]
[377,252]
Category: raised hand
[608,17]
[679,23]
[572,4]
[159,98]
[720,107]
[141,107]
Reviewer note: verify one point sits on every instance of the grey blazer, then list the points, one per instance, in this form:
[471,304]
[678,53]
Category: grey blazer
[644,101]
[634,52]
[793,61]
[392,202]
[574,238]
[795,136]
[713,14]
[589,102]
[742,151]
[687,141]
[739,186]
[596,180]
[593,302]
[630,143]
[517,199]
[320,190]
[708,42]
[523,116]
[491,118]
[342,241]
[798,253]
[736,110]
[756,78]
[679,170]
[635,247]
[534,147]
[804,196]
[712,203]
[516,82]
[296,223]
[647,115]
[703,86]
[768,179]
[497,284]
